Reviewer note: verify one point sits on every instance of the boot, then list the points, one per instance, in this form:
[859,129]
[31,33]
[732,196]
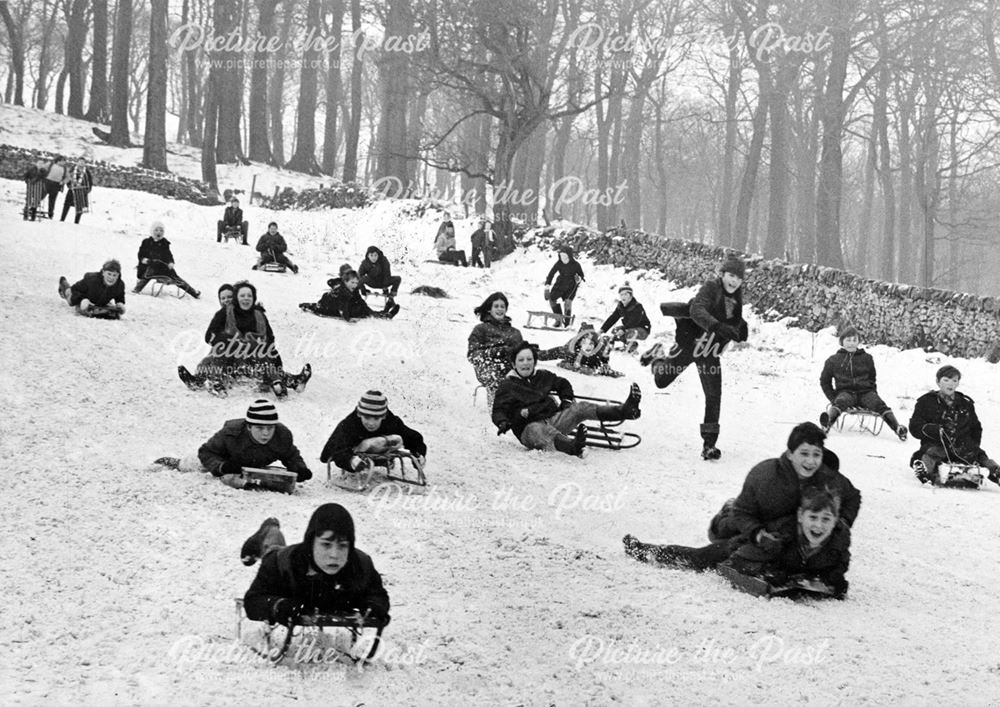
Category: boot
[268,535]
[898,429]
[568,314]
[710,435]
[826,419]
[191,380]
[574,445]
[654,352]
[64,288]
[557,309]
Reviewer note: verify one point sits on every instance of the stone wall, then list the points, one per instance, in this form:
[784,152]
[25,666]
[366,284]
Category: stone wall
[337,196]
[15,160]
[903,316]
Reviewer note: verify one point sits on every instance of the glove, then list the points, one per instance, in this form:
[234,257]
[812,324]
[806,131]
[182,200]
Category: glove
[728,331]
[303,474]
[769,543]
[230,467]
[356,463]
[503,427]
[548,291]
[285,611]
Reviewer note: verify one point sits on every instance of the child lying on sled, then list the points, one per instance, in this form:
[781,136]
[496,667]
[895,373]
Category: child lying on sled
[324,573]
[812,545]
[588,353]
[371,428]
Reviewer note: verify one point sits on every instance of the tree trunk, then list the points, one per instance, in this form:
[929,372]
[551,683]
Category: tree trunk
[907,259]
[120,75]
[414,130]
[76,38]
[208,172]
[304,159]
[393,72]
[154,145]
[97,110]
[16,37]
[44,60]
[741,229]
[334,88]
[880,122]
[729,150]
[276,91]
[60,90]
[806,206]
[195,95]
[779,171]
[354,124]
[258,143]
[226,84]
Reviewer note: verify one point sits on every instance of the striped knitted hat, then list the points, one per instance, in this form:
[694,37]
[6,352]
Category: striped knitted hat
[373,404]
[625,288]
[262,412]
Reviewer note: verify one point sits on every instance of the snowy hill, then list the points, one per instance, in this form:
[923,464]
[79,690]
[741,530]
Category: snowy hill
[508,580]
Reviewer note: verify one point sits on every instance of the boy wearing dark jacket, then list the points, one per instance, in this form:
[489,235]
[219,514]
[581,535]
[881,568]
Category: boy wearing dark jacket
[103,289]
[232,220]
[371,425]
[272,247]
[710,321]
[253,441]
[376,272]
[948,428]
[345,299]
[324,573]
[155,260]
[524,404]
[848,381]
[635,325]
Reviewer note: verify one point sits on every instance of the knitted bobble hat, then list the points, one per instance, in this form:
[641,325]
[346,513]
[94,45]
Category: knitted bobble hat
[262,412]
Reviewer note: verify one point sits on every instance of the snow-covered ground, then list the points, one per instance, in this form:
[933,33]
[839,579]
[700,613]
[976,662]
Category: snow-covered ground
[508,580]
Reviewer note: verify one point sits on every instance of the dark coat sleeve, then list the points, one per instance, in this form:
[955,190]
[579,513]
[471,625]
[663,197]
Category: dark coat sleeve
[563,388]
[376,599]
[267,588]
[850,502]
[747,510]
[214,452]
[975,426]
[614,317]
[216,327]
[643,318]
[339,448]
[412,440]
[552,273]
[925,423]
[504,404]
[290,455]
[826,378]
[578,269]
[702,304]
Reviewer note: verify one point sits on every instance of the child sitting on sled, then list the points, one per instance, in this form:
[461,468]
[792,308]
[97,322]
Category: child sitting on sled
[324,573]
[588,353]
[344,300]
[946,423]
[371,428]
[98,294]
[635,325]
[255,440]
[848,381]
[812,545]
[524,404]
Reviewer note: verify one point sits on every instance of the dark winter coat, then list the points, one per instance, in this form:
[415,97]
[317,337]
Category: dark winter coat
[959,422]
[80,178]
[233,218]
[848,372]
[289,573]
[232,321]
[633,316]
[565,275]
[234,443]
[772,490]
[534,393]
[709,309]
[154,250]
[378,273]
[271,243]
[493,338]
[346,302]
[350,432]
[93,289]
[829,564]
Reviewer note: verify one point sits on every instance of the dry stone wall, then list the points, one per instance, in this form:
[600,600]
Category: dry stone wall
[815,297]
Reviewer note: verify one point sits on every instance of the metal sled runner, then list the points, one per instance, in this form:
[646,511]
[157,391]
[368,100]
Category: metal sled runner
[868,421]
[275,650]
[394,463]
[951,475]
[604,433]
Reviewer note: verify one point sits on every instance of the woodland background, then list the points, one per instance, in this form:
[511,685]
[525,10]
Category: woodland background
[855,134]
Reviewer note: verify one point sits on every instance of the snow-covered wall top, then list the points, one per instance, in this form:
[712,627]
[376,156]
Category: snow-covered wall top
[887,313]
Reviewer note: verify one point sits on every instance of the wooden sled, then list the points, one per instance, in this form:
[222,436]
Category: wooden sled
[390,466]
[549,321]
[867,420]
[271,478]
[792,588]
[96,312]
[953,475]
[276,646]
[273,266]
[231,234]
[604,434]
[159,282]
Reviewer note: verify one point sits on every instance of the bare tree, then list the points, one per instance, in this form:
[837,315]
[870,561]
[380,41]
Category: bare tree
[304,159]
[154,146]
[16,36]
[354,118]
[120,75]
[97,110]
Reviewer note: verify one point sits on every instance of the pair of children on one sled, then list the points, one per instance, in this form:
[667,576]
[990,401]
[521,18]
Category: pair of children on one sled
[790,522]
[344,299]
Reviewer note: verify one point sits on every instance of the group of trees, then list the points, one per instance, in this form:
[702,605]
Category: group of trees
[858,134]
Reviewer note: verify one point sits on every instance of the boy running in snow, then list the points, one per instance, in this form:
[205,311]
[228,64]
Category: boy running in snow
[371,428]
[848,381]
[948,428]
[710,321]
[324,573]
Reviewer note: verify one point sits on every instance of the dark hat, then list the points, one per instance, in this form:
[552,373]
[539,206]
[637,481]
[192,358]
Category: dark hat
[262,412]
[112,266]
[948,371]
[734,264]
[567,249]
[521,347]
[845,331]
[372,249]
[329,517]
[626,288]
